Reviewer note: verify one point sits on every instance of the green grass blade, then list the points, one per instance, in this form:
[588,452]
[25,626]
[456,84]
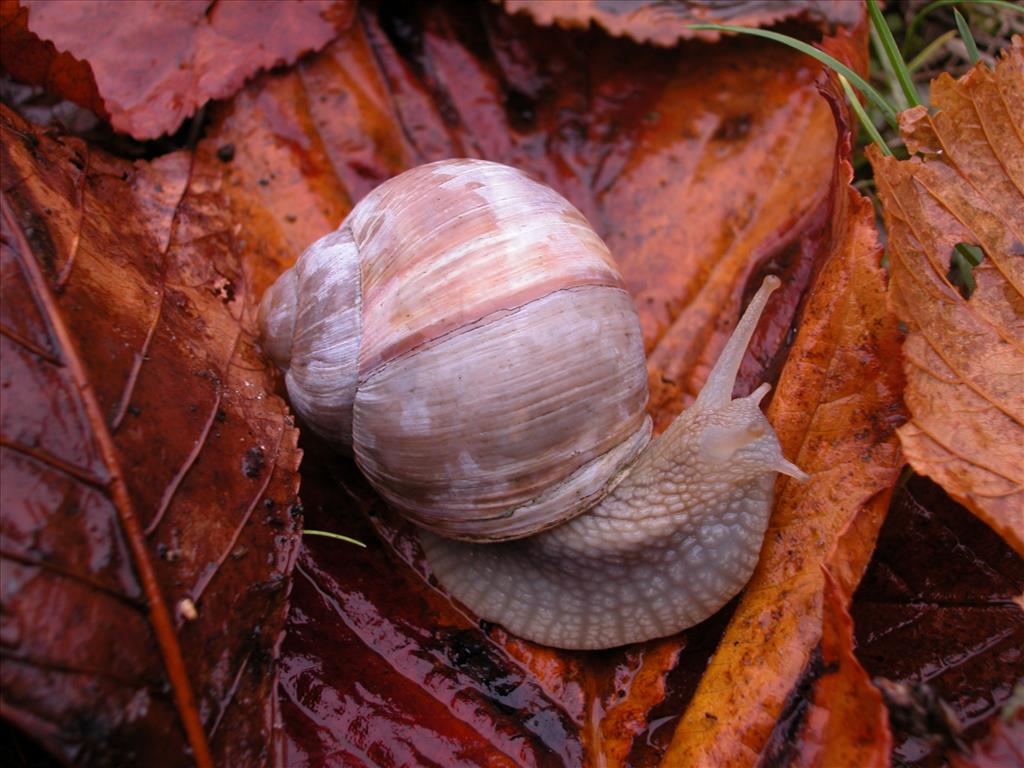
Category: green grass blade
[968,38]
[892,53]
[829,61]
[919,16]
[965,272]
[329,535]
[863,117]
[898,99]
[930,50]
[972,253]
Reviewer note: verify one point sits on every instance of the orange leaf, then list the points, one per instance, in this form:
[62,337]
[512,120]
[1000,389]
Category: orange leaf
[964,358]
[714,167]
[848,724]
[835,411]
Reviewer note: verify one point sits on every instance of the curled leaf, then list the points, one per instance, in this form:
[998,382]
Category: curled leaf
[847,723]
[835,410]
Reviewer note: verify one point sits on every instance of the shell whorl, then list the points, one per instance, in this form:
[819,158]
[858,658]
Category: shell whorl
[311,321]
[469,335]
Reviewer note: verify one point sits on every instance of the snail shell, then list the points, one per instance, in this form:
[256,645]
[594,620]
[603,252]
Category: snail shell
[467,336]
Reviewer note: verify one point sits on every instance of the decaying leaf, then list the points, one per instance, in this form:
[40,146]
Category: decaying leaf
[935,614]
[964,358]
[1003,746]
[717,165]
[835,410]
[847,724]
[153,67]
[146,538]
[651,21]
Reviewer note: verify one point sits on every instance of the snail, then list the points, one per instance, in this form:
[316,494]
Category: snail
[467,336]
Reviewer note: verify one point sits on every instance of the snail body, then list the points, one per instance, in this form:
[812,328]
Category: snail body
[467,336]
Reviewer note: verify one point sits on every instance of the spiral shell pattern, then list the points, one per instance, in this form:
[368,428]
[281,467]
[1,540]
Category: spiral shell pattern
[467,333]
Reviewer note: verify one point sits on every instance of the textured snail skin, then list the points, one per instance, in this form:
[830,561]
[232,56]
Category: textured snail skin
[670,545]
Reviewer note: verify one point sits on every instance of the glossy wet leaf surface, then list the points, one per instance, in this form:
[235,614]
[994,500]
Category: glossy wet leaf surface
[955,627]
[835,411]
[704,166]
[145,463]
[301,159]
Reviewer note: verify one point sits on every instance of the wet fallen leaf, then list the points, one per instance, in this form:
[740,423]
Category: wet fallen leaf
[964,357]
[153,66]
[847,723]
[38,62]
[146,538]
[733,139]
[835,410]
[650,21]
[936,608]
[1003,746]
[715,166]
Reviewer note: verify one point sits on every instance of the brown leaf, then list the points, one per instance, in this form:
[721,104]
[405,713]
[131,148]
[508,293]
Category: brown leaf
[155,64]
[847,724]
[148,472]
[835,410]
[964,357]
[716,165]
[1004,745]
[741,152]
[935,614]
[651,21]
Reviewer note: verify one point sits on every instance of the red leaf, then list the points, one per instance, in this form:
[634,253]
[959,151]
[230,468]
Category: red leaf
[651,21]
[148,473]
[733,140]
[155,64]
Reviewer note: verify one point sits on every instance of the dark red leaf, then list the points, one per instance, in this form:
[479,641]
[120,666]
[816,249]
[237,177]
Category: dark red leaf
[936,607]
[150,66]
[146,571]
